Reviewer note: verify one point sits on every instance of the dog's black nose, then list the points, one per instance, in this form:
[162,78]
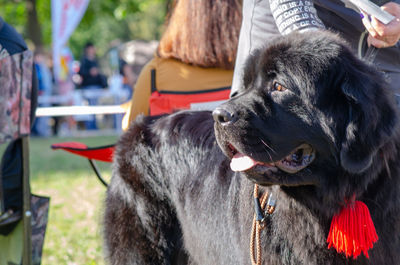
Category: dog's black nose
[224,116]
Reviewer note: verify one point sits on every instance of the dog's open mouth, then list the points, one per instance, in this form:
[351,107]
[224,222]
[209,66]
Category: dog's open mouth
[298,159]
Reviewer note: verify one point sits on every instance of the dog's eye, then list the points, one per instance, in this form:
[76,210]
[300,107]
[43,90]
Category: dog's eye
[278,87]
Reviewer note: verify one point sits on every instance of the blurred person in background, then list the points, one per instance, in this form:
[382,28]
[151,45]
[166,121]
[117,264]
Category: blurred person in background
[92,81]
[89,70]
[196,52]
[128,76]
[41,126]
[65,91]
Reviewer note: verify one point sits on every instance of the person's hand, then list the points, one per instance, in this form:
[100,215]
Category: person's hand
[94,71]
[381,35]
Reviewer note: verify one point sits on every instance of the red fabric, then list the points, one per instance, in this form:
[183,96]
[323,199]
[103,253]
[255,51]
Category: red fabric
[352,230]
[102,153]
[161,103]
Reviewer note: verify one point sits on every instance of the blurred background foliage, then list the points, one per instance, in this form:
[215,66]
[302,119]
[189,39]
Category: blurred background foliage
[104,23]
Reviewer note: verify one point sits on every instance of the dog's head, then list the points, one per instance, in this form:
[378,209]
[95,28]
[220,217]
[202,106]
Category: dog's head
[309,112]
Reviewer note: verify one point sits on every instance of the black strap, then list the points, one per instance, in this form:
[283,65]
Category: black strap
[368,53]
[153,80]
[371,53]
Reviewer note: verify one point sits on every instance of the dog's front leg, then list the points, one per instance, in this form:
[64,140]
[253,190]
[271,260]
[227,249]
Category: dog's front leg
[139,227]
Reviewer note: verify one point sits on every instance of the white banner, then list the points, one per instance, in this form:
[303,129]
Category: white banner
[65,16]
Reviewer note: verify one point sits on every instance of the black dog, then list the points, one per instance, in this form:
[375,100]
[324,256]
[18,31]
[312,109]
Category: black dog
[313,125]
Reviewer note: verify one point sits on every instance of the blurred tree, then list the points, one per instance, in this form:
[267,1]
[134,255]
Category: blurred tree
[13,12]
[34,31]
[103,22]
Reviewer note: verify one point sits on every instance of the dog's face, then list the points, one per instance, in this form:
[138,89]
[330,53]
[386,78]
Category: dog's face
[308,110]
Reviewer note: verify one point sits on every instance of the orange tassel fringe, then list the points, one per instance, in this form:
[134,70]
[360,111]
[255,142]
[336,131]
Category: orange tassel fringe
[352,230]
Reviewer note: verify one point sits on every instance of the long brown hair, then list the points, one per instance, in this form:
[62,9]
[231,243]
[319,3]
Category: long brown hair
[203,33]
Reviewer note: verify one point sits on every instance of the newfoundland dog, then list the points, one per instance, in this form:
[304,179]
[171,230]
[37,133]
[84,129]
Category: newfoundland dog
[313,126]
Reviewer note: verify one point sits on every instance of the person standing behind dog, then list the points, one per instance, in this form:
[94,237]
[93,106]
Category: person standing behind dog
[196,52]
[265,19]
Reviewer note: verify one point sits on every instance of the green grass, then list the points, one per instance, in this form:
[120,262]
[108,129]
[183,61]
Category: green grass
[73,235]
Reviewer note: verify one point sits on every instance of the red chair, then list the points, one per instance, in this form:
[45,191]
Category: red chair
[100,153]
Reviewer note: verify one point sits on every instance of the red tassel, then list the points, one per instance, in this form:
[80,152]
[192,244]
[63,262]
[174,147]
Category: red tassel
[352,230]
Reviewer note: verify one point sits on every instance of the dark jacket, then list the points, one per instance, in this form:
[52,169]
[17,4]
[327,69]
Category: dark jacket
[341,18]
[88,79]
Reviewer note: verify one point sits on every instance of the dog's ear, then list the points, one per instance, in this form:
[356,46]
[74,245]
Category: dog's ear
[250,68]
[371,116]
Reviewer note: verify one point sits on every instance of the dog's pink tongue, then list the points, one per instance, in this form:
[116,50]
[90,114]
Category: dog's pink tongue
[242,162]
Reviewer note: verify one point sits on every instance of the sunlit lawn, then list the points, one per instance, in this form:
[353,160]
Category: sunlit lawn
[74,229]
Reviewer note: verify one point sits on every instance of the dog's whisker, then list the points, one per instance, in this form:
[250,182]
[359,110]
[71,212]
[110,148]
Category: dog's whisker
[266,145]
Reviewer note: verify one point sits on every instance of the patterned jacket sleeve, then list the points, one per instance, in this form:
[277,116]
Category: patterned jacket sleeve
[291,15]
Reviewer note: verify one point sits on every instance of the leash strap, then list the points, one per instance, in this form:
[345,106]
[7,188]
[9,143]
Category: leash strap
[153,80]
[263,207]
[368,53]
[258,225]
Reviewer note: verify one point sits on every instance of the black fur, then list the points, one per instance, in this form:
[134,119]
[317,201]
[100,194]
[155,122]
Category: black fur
[173,198]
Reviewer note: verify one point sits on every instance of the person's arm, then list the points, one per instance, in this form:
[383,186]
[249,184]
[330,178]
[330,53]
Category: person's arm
[381,35]
[264,19]
[294,15]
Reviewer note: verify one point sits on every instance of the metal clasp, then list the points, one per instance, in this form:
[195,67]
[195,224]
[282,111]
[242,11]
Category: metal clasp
[270,205]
